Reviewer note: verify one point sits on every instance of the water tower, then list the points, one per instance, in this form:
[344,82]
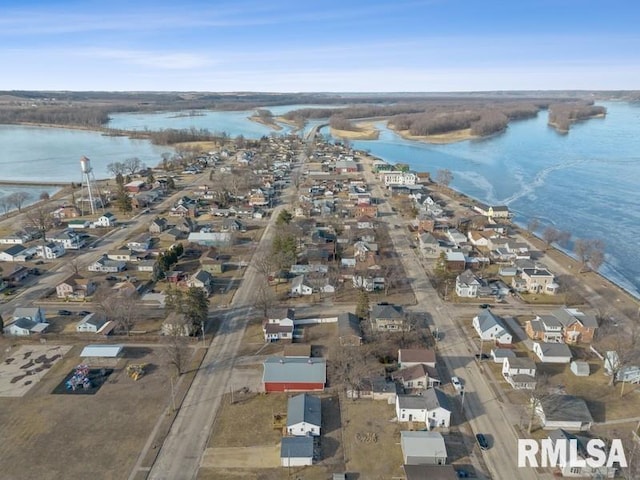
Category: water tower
[89,186]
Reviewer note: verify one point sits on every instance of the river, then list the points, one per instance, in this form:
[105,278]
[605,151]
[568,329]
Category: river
[586,182]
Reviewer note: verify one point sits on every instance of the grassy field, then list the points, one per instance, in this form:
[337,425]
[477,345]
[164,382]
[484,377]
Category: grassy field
[48,436]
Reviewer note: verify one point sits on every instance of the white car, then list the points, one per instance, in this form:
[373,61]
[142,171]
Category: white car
[455,381]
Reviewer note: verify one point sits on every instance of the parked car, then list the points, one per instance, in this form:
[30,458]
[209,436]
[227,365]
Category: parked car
[455,381]
[83,313]
[64,312]
[482,356]
[110,278]
[485,305]
[482,441]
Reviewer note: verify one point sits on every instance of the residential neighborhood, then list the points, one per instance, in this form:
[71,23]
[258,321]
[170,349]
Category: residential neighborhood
[296,303]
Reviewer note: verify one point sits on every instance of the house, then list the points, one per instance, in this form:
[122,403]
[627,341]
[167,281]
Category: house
[388,317]
[201,279]
[279,325]
[158,225]
[175,276]
[146,265]
[580,368]
[296,451]
[25,326]
[498,211]
[178,325]
[363,209]
[577,326]
[368,283]
[17,274]
[50,251]
[14,253]
[304,415]
[211,239]
[124,289]
[35,314]
[455,237]
[417,377]
[429,245]
[69,239]
[410,357]
[107,266]
[399,178]
[141,243]
[15,239]
[431,407]
[624,373]
[172,235]
[564,411]
[575,465]
[423,448]
[349,331]
[431,472]
[122,254]
[499,354]
[552,352]
[345,166]
[106,220]
[490,327]
[233,225]
[545,328]
[519,372]
[455,261]
[294,374]
[300,287]
[75,287]
[186,225]
[375,388]
[535,280]
[467,284]
[211,262]
[91,323]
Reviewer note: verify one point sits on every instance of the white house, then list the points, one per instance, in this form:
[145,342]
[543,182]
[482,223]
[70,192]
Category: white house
[25,326]
[91,323]
[304,415]
[299,287]
[141,243]
[564,411]
[399,178]
[423,448]
[409,357]
[296,451]
[107,266]
[106,220]
[491,328]
[69,239]
[15,253]
[432,408]
[552,352]
[50,251]
[577,467]
[519,372]
[279,325]
[467,284]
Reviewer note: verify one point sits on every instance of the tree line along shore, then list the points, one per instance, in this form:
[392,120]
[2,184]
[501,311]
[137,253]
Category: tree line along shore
[429,117]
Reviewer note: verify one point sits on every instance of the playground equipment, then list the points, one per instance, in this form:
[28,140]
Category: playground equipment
[79,379]
[136,370]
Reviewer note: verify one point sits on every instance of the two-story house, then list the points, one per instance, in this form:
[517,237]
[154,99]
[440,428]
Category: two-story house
[76,287]
[536,280]
[519,372]
[431,407]
[546,328]
[388,317]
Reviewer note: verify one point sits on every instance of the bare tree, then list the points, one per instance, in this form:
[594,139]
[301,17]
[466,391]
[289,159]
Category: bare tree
[444,177]
[44,196]
[133,165]
[5,204]
[17,199]
[264,299]
[264,264]
[351,366]
[538,395]
[550,235]
[41,218]
[124,310]
[177,352]
[625,344]
[116,169]
[589,252]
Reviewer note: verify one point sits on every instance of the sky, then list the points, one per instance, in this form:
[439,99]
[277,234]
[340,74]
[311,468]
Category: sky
[321,46]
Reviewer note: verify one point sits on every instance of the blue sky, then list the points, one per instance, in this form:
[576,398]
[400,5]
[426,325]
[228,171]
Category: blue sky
[329,45]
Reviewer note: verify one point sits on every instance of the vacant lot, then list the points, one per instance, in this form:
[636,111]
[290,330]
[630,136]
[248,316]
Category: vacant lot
[371,439]
[99,436]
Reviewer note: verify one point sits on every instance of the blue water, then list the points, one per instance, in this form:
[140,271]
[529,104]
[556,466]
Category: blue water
[586,182]
[53,154]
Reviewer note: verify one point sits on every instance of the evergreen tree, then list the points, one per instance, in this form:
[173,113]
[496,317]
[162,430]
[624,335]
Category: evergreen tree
[123,200]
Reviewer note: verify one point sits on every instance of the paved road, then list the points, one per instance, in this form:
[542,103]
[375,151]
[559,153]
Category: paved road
[180,455]
[485,413]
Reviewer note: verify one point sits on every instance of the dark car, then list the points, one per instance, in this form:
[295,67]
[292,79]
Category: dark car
[462,473]
[64,312]
[482,441]
[111,278]
[482,356]
[485,305]
[83,313]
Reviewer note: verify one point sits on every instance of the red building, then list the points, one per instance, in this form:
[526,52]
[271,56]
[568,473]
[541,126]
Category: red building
[284,374]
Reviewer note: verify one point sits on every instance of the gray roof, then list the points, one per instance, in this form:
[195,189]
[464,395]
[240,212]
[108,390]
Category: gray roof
[537,272]
[551,349]
[550,321]
[568,316]
[503,353]
[96,319]
[569,408]
[388,311]
[468,278]
[296,370]
[423,444]
[487,320]
[581,442]
[25,323]
[304,408]
[27,312]
[348,324]
[296,447]
[522,362]
[14,250]
[431,399]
